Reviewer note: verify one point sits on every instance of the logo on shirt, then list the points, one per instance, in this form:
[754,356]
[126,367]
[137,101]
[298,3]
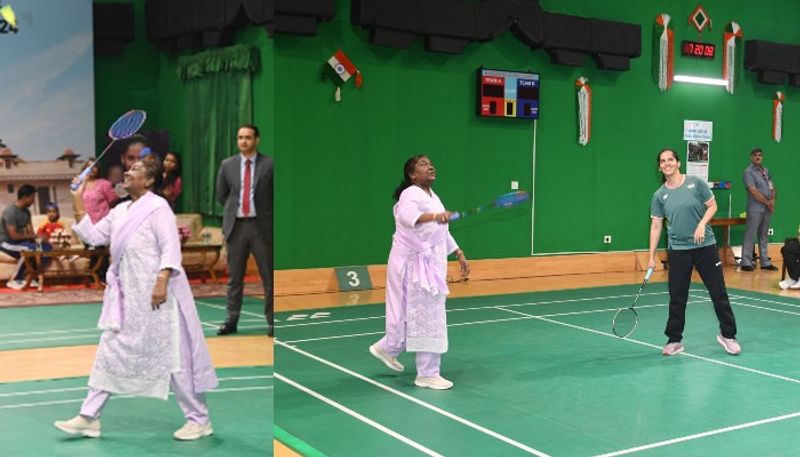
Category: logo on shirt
[690,186]
[665,196]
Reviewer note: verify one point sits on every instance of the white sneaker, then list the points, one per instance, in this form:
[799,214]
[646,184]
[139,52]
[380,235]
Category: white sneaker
[433,382]
[34,283]
[384,357]
[80,425]
[15,284]
[192,431]
[731,346]
[787,283]
[672,348]
[795,286]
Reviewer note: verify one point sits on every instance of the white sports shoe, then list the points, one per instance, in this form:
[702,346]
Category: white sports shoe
[15,284]
[433,382]
[672,348]
[80,425]
[384,357]
[192,431]
[795,286]
[787,283]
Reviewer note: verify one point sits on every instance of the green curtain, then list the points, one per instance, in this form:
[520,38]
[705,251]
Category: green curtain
[219,98]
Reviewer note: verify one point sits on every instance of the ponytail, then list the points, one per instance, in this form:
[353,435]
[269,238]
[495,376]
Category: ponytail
[408,169]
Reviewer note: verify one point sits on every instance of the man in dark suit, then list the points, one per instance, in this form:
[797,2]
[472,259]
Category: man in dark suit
[244,186]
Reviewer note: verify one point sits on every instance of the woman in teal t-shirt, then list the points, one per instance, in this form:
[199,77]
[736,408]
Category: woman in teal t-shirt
[688,204]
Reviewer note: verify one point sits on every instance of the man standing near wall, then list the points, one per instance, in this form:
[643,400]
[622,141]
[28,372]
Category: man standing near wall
[760,206]
[244,187]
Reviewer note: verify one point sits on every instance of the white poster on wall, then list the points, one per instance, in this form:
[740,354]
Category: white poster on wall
[697,155]
[698,130]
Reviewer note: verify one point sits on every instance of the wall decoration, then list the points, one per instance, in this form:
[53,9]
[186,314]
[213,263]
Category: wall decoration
[584,110]
[700,20]
[777,116]
[731,60]
[697,159]
[340,69]
[663,52]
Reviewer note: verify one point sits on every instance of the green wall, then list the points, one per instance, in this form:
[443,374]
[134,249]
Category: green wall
[337,163]
[146,78]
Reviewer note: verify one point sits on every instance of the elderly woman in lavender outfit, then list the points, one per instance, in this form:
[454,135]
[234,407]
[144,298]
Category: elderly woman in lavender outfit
[416,287]
[152,335]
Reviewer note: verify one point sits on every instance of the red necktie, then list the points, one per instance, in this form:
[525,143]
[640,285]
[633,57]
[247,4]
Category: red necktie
[246,193]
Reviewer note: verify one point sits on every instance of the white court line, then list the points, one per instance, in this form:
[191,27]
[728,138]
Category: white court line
[115,397]
[93,336]
[336,337]
[487,321]
[246,313]
[701,435]
[46,391]
[358,416]
[424,404]
[72,389]
[748,305]
[50,332]
[682,354]
[794,305]
[475,308]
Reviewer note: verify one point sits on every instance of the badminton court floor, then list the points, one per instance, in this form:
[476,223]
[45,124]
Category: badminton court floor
[241,407]
[76,324]
[542,374]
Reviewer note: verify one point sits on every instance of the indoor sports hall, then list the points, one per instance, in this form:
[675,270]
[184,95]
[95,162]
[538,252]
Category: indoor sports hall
[535,365]
[154,93]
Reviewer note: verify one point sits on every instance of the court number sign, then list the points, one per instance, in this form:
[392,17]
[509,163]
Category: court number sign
[353,278]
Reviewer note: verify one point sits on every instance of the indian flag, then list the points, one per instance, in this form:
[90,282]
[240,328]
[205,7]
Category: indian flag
[342,66]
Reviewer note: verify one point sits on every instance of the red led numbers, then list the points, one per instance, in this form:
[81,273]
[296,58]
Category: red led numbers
[697,49]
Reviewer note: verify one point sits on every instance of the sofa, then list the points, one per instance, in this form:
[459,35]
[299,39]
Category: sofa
[8,264]
[199,235]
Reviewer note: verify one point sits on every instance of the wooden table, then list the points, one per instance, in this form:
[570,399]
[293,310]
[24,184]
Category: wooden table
[34,265]
[726,223]
[207,256]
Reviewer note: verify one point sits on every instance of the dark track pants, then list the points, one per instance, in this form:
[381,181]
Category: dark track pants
[707,262]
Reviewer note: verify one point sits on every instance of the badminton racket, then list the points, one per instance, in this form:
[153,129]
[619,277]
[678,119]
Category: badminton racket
[124,127]
[504,201]
[626,319]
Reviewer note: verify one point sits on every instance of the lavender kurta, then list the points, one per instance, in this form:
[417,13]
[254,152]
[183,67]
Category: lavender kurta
[140,357]
[416,285]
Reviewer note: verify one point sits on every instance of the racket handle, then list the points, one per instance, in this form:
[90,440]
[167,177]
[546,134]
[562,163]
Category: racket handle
[648,274]
[455,216]
[81,177]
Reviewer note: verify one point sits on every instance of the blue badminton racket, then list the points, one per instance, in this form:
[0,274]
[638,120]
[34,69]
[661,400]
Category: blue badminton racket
[504,201]
[124,127]
[626,319]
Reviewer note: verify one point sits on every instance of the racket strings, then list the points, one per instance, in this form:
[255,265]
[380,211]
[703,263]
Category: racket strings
[127,125]
[625,321]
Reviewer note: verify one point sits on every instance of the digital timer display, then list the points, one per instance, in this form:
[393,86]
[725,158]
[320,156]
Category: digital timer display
[697,49]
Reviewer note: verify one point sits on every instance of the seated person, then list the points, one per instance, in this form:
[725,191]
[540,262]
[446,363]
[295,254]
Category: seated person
[791,258]
[17,235]
[52,226]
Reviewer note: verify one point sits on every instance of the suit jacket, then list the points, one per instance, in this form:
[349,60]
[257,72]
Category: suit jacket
[229,184]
